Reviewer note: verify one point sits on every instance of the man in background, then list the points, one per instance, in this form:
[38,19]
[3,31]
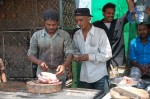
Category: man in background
[140,53]
[114,30]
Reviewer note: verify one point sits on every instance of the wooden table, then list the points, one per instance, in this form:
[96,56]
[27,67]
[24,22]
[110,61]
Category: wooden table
[69,93]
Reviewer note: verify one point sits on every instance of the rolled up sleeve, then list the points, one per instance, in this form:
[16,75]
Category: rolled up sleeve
[68,44]
[132,52]
[33,46]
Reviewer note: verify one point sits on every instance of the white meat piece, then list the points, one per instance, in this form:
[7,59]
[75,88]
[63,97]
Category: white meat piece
[47,78]
[127,80]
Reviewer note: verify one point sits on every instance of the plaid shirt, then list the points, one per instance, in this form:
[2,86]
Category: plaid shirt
[52,50]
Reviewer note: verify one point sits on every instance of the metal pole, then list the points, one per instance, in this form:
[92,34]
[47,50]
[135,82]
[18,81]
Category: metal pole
[60,14]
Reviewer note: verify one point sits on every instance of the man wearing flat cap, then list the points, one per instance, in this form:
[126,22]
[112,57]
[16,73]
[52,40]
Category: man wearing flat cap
[92,49]
[51,48]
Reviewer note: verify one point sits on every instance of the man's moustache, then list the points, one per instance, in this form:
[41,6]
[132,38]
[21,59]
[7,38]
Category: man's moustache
[51,29]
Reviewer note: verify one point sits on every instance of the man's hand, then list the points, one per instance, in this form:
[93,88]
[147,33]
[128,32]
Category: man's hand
[60,70]
[43,66]
[147,10]
[144,69]
[130,5]
[76,57]
[84,57]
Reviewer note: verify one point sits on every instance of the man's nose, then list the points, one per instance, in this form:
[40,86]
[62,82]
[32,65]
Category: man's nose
[112,14]
[50,26]
[142,30]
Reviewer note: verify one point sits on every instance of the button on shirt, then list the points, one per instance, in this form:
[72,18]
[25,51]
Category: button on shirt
[140,52]
[98,48]
[52,50]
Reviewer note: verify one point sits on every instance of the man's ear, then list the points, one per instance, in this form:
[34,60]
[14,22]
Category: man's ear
[89,19]
[59,27]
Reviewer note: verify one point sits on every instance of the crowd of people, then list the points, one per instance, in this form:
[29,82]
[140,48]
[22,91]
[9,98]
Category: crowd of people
[97,46]
[94,45]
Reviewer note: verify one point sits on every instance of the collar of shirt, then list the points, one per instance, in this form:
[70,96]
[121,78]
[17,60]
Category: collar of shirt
[44,33]
[90,32]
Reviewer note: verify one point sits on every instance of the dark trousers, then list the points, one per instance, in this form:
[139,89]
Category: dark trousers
[102,84]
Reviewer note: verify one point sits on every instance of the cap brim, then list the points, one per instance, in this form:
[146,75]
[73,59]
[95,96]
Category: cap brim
[83,15]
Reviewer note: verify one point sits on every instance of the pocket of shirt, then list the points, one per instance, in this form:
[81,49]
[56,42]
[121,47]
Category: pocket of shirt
[93,43]
[93,50]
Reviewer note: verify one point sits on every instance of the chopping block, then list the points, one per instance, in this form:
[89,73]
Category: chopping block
[36,87]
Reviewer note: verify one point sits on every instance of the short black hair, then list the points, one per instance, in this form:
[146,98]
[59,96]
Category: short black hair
[142,23]
[109,5]
[148,25]
[51,14]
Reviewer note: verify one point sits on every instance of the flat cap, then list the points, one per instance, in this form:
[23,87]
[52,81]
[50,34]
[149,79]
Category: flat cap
[82,12]
[51,14]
